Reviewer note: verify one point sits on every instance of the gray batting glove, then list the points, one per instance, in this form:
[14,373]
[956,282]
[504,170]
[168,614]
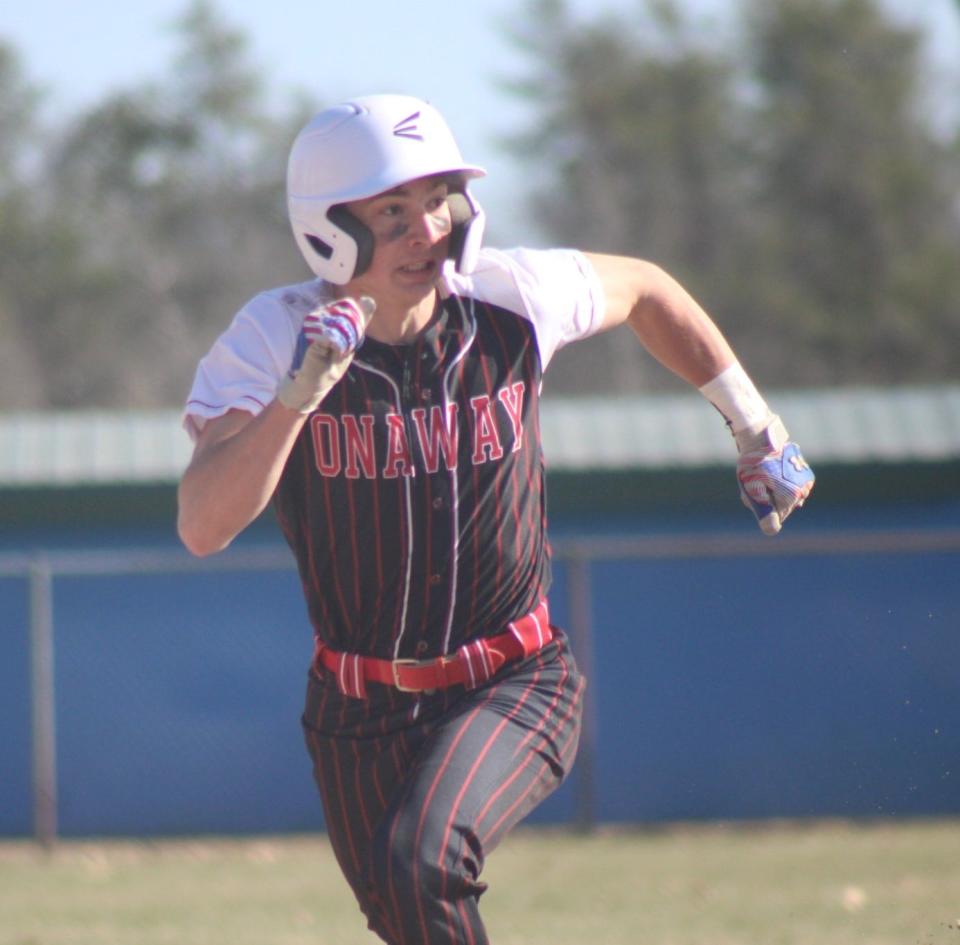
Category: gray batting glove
[331,335]
[773,476]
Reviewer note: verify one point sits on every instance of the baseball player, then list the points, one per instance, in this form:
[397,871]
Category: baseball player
[388,408]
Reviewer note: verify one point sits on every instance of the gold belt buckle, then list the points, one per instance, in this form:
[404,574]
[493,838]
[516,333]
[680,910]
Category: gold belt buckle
[396,665]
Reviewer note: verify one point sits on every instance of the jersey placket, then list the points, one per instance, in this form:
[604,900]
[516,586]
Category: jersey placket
[435,487]
[395,385]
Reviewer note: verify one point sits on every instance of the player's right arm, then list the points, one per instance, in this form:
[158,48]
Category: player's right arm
[239,456]
[236,465]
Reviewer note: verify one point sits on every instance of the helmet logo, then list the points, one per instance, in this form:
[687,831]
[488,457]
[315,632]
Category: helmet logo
[408,128]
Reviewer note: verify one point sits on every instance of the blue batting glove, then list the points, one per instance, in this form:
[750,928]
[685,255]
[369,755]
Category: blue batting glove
[773,477]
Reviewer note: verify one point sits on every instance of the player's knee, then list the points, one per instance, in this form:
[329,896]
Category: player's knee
[391,900]
[414,876]
[396,863]
[407,859]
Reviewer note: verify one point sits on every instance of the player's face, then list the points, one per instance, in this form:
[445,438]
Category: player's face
[411,228]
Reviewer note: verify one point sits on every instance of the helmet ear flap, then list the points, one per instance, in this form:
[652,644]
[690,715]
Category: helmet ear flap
[342,250]
[468,224]
[359,232]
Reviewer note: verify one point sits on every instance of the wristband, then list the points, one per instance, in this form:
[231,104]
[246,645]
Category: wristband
[735,396]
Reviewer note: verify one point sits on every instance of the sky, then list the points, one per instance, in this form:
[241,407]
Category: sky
[451,52]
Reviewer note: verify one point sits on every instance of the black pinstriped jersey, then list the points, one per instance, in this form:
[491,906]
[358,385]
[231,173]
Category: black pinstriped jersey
[423,523]
[413,498]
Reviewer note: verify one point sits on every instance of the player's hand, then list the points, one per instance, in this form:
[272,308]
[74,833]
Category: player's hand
[332,333]
[773,476]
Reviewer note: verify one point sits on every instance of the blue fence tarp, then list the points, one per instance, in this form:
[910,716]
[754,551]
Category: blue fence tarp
[725,687]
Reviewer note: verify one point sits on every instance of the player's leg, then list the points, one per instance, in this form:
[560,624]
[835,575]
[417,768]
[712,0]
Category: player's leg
[356,773]
[483,768]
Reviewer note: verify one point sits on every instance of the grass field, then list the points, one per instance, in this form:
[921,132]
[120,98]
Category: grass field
[878,883]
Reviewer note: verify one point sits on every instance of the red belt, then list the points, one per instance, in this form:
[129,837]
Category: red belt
[472,665]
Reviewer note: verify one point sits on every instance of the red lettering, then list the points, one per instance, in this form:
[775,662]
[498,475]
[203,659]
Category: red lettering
[486,437]
[398,449]
[358,446]
[442,436]
[512,398]
[326,444]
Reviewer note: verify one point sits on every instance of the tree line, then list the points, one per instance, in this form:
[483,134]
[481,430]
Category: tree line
[794,173]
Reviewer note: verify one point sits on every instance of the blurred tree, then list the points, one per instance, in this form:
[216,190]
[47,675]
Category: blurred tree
[21,239]
[795,184]
[854,258]
[176,190]
[638,139]
[799,191]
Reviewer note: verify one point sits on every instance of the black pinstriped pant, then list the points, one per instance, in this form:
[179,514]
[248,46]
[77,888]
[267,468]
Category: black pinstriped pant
[417,791]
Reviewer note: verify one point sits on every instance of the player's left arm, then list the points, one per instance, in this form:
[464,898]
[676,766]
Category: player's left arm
[772,476]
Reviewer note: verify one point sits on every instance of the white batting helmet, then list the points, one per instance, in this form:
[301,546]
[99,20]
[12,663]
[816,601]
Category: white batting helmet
[362,148]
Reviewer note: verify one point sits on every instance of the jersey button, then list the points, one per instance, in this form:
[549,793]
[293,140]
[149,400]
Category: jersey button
[438,502]
[426,394]
[435,579]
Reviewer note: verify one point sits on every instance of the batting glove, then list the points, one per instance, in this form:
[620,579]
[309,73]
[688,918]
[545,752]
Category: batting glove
[773,476]
[330,335]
